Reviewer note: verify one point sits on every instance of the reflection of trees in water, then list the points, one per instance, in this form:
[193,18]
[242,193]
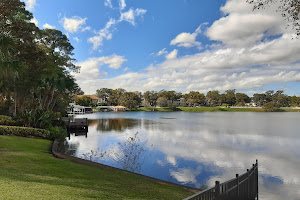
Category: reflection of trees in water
[67,148]
[121,124]
[129,155]
[94,155]
[114,124]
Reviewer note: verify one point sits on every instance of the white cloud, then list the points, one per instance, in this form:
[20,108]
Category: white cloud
[35,21]
[114,61]
[106,32]
[122,4]
[74,24]
[48,26]
[76,39]
[184,175]
[162,52]
[242,26]
[96,41]
[172,55]
[108,3]
[187,39]
[140,12]
[131,14]
[90,70]
[218,69]
[30,4]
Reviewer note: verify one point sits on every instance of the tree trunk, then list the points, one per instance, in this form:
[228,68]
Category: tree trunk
[15,99]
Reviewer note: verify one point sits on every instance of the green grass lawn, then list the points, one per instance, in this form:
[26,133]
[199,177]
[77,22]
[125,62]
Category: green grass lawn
[29,171]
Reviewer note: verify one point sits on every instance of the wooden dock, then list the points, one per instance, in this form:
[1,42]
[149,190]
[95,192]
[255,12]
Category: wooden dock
[76,123]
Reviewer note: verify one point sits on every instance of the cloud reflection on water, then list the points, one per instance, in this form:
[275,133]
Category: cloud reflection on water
[224,143]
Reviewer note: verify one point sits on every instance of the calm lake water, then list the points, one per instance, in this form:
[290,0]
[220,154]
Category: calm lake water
[196,149]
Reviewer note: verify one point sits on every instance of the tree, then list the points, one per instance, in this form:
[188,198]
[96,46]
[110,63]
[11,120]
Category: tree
[58,46]
[259,99]
[151,97]
[271,107]
[194,97]
[162,101]
[130,100]
[169,95]
[104,93]
[114,98]
[290,10]
[242,98]
[295,101]
[280,98]
[212,97]
[83,101]
[230,97]
[35,64]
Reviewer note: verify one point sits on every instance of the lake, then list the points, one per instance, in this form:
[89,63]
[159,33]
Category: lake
[196,149]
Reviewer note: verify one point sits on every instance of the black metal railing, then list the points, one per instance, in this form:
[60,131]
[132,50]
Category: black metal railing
[243,187]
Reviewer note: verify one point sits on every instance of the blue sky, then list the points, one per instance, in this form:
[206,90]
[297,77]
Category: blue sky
[180,45]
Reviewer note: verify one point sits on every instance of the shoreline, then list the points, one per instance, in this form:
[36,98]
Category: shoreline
[57,152]
[208,109]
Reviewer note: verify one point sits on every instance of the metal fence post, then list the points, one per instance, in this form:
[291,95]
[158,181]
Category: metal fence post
[248,179]
[253,186]
[217,189]
[256,178]
[237,186]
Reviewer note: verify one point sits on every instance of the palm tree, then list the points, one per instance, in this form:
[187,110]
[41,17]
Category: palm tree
[8,65]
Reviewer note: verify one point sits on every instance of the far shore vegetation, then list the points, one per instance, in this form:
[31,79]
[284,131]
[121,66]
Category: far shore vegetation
[194,101]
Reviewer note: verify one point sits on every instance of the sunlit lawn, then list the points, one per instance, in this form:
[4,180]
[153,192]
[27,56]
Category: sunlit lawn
[29,171]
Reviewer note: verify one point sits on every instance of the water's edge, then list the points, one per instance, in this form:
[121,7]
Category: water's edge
[59,154]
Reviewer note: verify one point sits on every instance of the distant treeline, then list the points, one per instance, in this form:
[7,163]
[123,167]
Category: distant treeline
[165,98]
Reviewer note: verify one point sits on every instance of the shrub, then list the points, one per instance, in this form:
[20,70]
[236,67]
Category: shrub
[224,105]
[7,121]
[24,131]
[57,133]
[5,117]
[162,101]
[271,107]
[172,107]
[40,119]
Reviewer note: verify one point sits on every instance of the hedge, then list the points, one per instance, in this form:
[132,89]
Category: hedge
[7,121]
[25,132]
[5,117]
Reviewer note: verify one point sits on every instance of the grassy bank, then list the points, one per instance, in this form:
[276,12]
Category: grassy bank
[292,110]
[29,171]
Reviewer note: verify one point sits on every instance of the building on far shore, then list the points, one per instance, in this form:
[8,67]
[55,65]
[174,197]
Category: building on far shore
[110,108]
[251,104]
[94,98]
[119,108]
[77,109]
